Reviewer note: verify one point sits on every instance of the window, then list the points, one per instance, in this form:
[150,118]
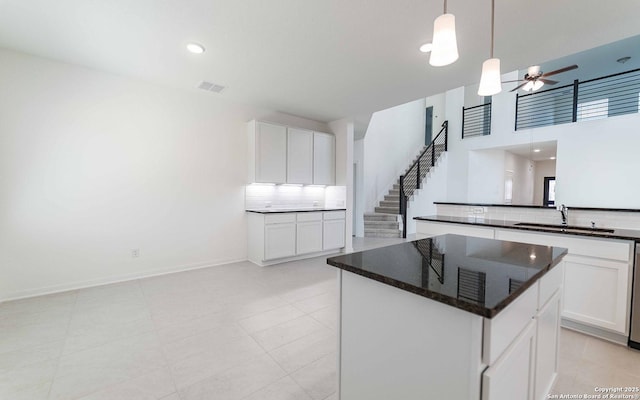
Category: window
[590,110]
[549,196]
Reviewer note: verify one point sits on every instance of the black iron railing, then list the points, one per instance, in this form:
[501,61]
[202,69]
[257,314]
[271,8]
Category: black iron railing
[412,179]
[603,97]
[432,260]
[476,121]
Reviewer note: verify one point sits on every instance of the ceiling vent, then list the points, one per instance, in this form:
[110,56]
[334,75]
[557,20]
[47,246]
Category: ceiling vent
[210,87]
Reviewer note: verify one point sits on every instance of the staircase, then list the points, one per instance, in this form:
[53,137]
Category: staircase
[383,222]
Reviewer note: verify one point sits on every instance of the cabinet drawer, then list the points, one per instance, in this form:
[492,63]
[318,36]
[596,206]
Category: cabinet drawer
[550,283]
[334,215]
[600,248]
[279,218]
[309,216]
[433,229]
[501,330]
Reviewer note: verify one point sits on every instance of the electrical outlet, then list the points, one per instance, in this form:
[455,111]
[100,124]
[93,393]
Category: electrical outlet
[135,253]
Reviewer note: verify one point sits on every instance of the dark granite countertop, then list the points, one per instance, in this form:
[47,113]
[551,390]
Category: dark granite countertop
[290,210]
[623,234]
[481,276]
[537,206]
[493,205]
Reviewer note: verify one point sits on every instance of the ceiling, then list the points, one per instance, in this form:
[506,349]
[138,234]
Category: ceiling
[322,59]
[528,151]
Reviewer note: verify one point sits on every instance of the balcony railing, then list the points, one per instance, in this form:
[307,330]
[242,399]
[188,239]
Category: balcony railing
[476,121]
[603,97]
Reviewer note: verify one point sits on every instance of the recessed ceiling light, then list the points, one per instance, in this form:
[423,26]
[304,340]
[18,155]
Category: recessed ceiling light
[536,150]
[195,48]
[425,48]
[552,158]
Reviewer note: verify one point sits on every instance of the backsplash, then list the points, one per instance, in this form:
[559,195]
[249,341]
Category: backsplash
[259,196]
[603,219]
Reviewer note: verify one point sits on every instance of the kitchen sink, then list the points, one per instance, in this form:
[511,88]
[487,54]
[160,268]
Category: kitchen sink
[566,228]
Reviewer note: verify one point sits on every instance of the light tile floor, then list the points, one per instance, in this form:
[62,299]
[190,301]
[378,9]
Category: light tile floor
[236,331]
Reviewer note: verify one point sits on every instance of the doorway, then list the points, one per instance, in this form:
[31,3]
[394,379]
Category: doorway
[428,125]
[549,196]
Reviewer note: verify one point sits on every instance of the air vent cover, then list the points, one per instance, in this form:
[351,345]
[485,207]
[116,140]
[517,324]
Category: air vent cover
[210,87]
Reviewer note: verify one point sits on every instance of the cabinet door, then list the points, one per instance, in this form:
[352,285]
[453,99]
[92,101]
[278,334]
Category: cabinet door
[309,238]
[271,153]
[333,234]
[511,376]
[324,159]
[279,241]
[547,337]
[299,156]
[596,292]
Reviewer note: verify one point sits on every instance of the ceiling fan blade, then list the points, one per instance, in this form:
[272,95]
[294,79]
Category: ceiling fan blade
[559,71]
[518,87]
[547,81]
[518,80]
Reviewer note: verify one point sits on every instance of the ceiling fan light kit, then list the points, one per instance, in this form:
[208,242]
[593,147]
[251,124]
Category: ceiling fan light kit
[490,80]
[445,45]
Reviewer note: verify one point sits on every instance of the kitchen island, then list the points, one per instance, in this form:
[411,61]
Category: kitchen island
[449,317]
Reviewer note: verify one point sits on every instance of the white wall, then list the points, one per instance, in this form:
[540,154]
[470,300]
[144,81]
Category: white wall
[393,139]
[523,177]
[344,132]
[594,158]
[486,175]
[542,169]
[93,165]
[358,160]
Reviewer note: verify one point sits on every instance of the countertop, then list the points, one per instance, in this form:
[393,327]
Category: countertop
[481,276]
[623,234]
[290,210]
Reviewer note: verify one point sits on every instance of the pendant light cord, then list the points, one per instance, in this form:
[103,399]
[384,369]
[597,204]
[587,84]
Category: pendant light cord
[493,11]
[445,6]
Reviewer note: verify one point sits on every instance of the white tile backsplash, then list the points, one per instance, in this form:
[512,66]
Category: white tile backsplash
[603,219]
[292,196]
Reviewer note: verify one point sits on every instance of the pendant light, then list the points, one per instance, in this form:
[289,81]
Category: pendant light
[445,45]
[490,83]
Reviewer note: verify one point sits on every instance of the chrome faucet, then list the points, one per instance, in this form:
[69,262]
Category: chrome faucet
[564,211]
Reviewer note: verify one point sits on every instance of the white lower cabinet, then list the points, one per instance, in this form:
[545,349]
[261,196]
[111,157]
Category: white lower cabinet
[596,292]
[547,342]
[281,236]
[279,240]
[512,375]
[333,234]
[309,234]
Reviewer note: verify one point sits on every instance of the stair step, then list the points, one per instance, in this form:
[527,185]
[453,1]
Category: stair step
[382,233]
[387,210]
[379,217]
[394,192]
[392,197]
[381,225]
[390,203]
[396,186]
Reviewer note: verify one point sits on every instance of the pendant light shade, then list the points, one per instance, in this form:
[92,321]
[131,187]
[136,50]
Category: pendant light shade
[490,83]
[445,45]
[490,80]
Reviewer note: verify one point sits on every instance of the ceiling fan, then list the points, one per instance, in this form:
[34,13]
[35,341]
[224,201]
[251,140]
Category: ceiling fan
[534,79]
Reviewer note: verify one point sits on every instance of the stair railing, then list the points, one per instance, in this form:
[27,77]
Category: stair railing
[412,179]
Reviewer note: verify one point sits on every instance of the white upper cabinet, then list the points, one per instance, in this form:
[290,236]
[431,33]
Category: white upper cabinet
[267,153]
[299,156]
[280,154]
[324,159]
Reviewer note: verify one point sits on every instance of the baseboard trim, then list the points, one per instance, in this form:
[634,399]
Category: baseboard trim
[25,294]
[614,337]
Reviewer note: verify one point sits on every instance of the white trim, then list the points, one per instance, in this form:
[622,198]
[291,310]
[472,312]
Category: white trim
[23,294]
